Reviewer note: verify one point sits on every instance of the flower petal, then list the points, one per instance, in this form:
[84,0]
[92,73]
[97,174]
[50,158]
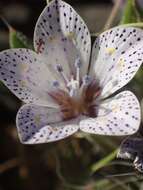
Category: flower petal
[38,124]
[130,148]
[119,115]
[117,56]
[23,72]
[62,36]
[138,163]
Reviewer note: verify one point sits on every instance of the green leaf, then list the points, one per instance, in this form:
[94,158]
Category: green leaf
[18,39]
[140,7]
[101,163]
[130,13]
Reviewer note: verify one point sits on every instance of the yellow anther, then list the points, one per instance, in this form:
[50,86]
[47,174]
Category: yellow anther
[52,39]
[23,83]
[52,129]
[23,67]
[115,108]
[121,63]
[70,35]
[110,51]
[103,119]
[37,119]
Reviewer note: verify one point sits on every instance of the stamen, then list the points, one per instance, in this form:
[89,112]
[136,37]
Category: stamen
[56,84]
[73,86]
[59,68]
[86,80]
[78,65]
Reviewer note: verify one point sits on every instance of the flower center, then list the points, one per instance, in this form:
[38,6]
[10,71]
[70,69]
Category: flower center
[81,97]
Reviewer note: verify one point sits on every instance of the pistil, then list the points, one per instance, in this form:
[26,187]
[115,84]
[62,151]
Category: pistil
[74,84]
[78,66]
[60,70]
[80,99]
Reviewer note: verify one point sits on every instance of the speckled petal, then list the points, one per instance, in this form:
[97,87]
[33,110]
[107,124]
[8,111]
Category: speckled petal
[117,116]
[38,124]
[62,36]
[117,56]
[24,73]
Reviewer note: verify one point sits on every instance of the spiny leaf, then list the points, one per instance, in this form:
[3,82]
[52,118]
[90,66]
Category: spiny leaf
[18,40]
[130,13]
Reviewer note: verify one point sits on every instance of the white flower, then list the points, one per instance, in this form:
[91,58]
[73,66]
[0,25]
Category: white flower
[63,89]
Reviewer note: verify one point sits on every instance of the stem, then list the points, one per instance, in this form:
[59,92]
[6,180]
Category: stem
[104,161]
[121,175]
[9,165]
[6,23]
[113,14]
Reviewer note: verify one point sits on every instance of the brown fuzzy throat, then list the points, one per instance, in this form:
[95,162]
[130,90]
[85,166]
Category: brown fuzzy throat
[85,105]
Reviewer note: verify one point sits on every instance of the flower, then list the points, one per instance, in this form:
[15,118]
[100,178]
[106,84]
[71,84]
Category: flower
[131,148]
[63,90]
